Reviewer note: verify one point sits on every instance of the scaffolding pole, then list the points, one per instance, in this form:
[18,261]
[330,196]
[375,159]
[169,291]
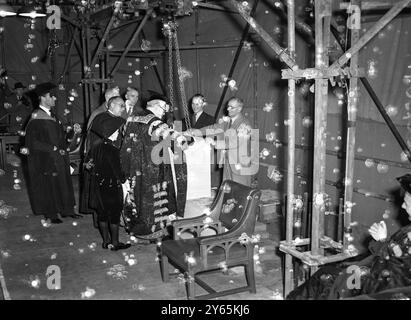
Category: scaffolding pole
[350,146]
[281,52]
[322,10]
[130,43]
[289,274]
[86,88]
[103,40]
[386,19]
[235,60]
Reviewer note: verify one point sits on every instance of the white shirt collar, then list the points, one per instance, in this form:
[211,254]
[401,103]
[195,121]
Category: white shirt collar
[198,115]
[129,106]
[45,109]
[235,118]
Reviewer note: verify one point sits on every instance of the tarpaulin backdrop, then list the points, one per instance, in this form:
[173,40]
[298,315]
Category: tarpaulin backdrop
[386,60]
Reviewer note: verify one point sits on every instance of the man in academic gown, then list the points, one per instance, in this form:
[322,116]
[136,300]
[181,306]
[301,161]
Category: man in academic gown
[145,157]
[50,186]
[116,108]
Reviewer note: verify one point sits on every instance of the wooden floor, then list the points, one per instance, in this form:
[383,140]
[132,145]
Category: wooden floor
[28,249]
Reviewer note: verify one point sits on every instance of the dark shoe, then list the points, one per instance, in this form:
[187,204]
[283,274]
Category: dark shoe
[120,246]
[75,216]
[106,245]
[55,221]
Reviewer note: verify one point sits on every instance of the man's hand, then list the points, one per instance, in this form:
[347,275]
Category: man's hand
[378,231]
[126,188]
[77,128]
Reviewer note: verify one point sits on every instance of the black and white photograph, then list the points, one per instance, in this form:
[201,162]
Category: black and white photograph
[222,150]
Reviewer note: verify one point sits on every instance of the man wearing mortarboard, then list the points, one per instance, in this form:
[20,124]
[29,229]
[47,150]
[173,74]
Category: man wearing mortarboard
[50,186]
[158,187]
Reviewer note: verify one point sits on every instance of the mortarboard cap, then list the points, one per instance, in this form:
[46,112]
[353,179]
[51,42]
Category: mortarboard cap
[44,88]
[153,95]
[18,85]
[405,182]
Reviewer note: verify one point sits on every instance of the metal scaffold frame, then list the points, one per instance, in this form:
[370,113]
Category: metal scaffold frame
[324,72]
[315,256]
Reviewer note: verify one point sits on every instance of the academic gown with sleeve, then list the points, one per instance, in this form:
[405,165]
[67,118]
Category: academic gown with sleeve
[50,186]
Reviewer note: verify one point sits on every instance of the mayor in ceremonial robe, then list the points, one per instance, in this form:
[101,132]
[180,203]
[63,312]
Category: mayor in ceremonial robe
[158,186]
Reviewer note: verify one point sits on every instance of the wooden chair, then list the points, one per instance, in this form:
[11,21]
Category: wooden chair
[232,215]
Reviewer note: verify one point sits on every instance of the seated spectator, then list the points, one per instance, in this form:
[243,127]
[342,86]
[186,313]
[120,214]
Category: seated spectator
[388,266]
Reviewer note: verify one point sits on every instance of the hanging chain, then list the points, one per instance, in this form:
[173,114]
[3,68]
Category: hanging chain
[181,82]
[170,70]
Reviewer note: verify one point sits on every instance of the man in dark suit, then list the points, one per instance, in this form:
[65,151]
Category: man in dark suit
[200,119]
[21,108]
[132,109]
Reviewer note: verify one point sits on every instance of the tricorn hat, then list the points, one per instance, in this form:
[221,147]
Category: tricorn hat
[43,88]
[105,125]
[18,85]
[405,182]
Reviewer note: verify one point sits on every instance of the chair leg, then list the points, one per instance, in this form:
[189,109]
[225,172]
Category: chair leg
[249,275]
[164,268]
[190,282]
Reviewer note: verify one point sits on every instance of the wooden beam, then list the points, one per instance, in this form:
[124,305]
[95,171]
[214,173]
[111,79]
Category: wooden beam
[281,52]
[68,55]
[387,118]
[213,7]
[86,88]
[103,40]
[234,63]
[321,73]
[96,80]
[186,47]
[163,88]
[289,272]
[369,5]
[391,14]
[70,20]
[130,43]
[322,10]
[352,106]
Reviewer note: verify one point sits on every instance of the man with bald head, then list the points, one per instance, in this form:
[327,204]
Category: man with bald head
[132,109]
[110,92]
[236,152]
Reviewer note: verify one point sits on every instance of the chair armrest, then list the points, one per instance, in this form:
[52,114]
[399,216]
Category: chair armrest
[226,243]
[230,235]
[195,225]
